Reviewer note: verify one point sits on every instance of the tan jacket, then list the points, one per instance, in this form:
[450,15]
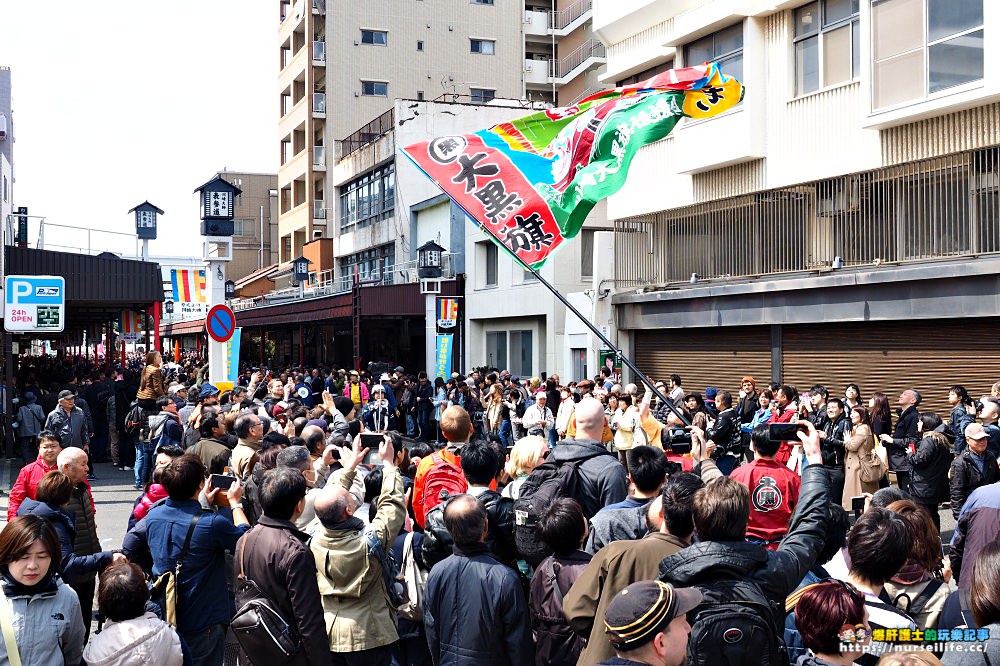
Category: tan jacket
[244,457]
[614,567]
[355,604]
[151,386]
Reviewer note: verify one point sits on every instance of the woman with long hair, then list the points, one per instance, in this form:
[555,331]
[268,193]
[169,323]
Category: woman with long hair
[44,611]
[151,386]
[858,447]
[881,415]
[920,588]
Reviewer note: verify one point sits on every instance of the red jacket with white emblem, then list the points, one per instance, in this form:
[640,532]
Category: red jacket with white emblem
[774,493]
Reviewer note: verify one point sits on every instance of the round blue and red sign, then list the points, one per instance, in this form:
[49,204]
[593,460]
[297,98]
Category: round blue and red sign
[220,323]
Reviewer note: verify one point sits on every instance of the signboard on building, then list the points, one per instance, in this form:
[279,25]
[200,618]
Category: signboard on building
[34,303]
[443,356]
[447,312]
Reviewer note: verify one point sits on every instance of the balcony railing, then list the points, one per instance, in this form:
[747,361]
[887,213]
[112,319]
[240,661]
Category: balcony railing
[945,207]
[589,49]
[319,209]
[319,102]
[319,156]
[319,53]
[563,17]
[369,133]
[333,282]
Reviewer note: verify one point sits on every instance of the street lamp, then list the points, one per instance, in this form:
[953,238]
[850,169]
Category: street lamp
[168,307]
[230,289]
[300,270]
[429,260]
[217,197]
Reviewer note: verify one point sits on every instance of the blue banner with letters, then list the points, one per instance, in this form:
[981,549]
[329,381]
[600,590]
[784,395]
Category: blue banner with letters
[233,357]
[442,365]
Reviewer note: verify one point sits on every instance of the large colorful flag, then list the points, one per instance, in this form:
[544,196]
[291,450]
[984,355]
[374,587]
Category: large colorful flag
[532,182]
[189,285]
[447,312]
[130,325]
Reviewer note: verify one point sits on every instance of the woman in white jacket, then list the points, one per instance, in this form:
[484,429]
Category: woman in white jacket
[132,636]
[43,610]
[566,407]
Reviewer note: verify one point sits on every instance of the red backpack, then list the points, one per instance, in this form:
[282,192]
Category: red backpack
[443,476]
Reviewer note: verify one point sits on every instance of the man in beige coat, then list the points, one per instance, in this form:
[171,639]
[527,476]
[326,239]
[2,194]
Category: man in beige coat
[250,431]
[359,619]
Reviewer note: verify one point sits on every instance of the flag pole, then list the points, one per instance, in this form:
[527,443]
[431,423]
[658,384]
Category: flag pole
[593,329]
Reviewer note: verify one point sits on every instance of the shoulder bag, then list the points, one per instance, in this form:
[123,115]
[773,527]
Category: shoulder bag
[873,466]
[263,634]
[166,586]
[9,640]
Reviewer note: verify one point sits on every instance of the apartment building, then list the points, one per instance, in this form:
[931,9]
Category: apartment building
[6,150]
[843,223]
[562,55]
[255,223]
[343,64]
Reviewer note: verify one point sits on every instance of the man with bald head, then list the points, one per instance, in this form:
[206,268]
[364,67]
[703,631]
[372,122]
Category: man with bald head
[474,610]
[360,624]
[601,478]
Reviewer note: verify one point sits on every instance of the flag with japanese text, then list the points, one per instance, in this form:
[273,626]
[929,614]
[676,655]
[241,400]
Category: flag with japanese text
[532,182]
[130,325]
[188,285]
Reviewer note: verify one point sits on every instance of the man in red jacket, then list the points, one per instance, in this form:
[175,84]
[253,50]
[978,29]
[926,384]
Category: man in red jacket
[785,412]
[27,481]
[774,491]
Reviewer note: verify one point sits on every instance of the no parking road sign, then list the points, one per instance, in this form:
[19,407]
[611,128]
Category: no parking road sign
[34,303]
[220,323]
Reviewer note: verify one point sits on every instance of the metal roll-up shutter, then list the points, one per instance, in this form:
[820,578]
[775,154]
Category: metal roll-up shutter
[704,357]
[930,355]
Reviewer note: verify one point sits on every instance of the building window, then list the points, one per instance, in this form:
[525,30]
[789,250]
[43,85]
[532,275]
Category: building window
[520,353]
[529,277]
[724,47]
[496,349]
[482,2]
[587,255]
[420,45]
[245,228]
[371,264]
[646,74]
[368,199]
[920,47]
[491,264]
[483,46]
[482,95]
[375,88]
[827,44]
[420,95]
[376,37]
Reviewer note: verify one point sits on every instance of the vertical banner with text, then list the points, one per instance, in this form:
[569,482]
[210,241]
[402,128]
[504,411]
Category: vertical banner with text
[442,366]
[233,356]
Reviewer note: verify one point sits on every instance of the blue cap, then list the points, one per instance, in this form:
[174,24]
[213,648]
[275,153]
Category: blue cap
[208,390]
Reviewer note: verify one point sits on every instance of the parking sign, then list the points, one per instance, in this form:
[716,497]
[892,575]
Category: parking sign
[34,303]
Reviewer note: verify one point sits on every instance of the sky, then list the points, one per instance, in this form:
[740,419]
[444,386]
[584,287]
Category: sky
[123,101]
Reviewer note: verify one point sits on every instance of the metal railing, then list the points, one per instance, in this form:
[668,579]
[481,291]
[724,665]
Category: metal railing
[559,19]
[588,92]
[329,283]
[564,66]
[930,209]
[319,209]
[369,133]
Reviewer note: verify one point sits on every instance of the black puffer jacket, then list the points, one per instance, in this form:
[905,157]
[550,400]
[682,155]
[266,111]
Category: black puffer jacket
[499,532]
[966,477]
[86,541]
[929,469]
[777,573]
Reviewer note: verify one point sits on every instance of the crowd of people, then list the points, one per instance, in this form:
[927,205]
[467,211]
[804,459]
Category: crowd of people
[344,517]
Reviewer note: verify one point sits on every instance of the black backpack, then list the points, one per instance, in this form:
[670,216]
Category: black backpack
[735,624]
[547,483]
